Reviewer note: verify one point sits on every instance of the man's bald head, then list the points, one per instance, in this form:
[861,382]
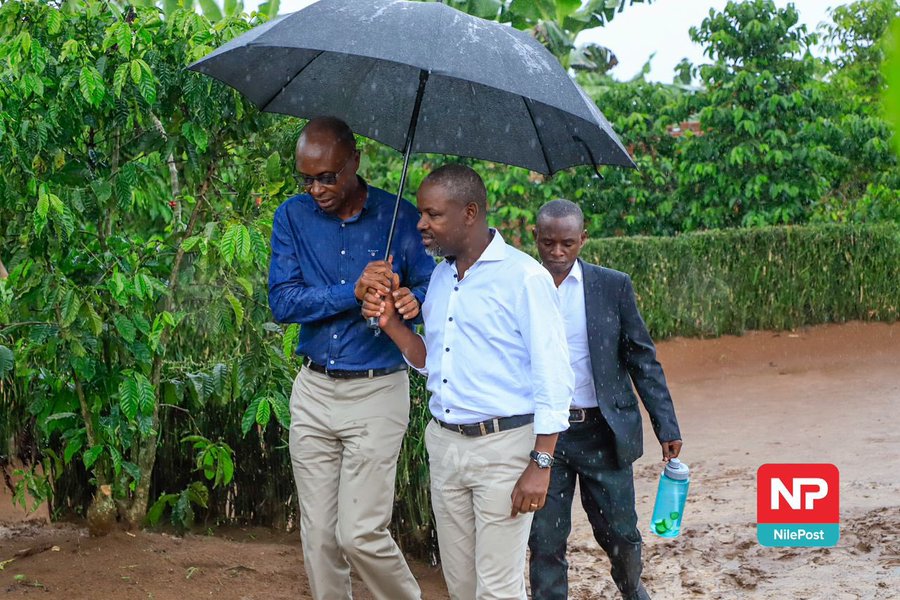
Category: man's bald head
[332,129]
[463,182]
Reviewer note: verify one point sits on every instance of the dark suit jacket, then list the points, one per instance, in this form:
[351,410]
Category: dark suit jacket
[621,353]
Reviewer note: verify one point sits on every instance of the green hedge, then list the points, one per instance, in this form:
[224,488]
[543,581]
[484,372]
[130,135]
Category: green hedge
[729,281]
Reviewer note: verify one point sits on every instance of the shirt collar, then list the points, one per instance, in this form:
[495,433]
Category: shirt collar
[576,272]
[496,249]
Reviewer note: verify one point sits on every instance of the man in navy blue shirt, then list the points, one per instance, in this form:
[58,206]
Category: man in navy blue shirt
[350,402]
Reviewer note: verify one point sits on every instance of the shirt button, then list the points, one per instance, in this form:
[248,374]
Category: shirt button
[446,349]
[343,281]
[343,252]
[343,224]
[334,336]
[444,381]
[446,410]
[331,361]
[451,318]
[456,289]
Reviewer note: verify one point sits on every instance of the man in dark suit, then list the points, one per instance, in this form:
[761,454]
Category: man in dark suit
[609,348]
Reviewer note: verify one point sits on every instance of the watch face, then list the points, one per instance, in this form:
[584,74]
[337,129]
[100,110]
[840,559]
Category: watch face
[543,461]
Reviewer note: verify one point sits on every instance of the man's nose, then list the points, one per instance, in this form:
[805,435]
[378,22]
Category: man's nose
[421,225]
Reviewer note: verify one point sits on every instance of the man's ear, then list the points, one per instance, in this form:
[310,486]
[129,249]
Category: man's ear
[471,213]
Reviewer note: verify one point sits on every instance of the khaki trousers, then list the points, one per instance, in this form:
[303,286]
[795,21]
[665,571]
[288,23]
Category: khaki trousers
[472,479]
[344,440]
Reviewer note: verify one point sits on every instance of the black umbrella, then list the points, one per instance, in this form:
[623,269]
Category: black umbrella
[421,77]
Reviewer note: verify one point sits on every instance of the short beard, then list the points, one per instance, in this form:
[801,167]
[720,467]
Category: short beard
[435,251]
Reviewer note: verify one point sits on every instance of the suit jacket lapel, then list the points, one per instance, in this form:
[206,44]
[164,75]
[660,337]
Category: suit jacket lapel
[592,300]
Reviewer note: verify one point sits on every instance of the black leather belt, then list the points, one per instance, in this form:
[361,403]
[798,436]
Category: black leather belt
[342,374]
[580,415]
[489,426]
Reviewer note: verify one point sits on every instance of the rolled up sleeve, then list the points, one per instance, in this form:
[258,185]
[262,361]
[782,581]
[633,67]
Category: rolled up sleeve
[541,324]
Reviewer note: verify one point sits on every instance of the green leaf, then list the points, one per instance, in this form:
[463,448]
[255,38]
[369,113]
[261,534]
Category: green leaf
[260,247]
[242,244]
[126,328]
[182,513]
[146,395]
[93,319]
[123,39]
[237,308]
[119,78]
[198,494]
[91,456]
[227,468]
[245,285]
[282,409]
[211,10]
[62,216]
[233,7]
[270,8]
[129,397]
[159,507]
[289,342]
[147,87]
[69,307]
[190,243]
[132,469]
[273,167]
[221,380]
[263,412]
[40,213]
[228,243]
[135,71]
[54,21]
[7,361]
[72,447]
[249,417]
[116,460]
[91,84]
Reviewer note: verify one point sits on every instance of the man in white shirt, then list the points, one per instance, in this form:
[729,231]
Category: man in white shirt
[500,381]
[610,349]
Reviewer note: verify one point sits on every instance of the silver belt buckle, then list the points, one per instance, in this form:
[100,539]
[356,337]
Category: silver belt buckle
[581,415]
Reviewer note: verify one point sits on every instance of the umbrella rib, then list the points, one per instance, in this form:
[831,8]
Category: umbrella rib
[264,106]
[538,133]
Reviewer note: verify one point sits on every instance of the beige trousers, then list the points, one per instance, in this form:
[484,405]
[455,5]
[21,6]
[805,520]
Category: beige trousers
[344,440]
[472,479]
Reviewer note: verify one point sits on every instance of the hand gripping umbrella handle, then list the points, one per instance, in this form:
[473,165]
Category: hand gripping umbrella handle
[410,136]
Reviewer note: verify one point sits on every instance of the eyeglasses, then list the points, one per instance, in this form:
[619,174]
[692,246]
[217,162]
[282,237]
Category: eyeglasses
[306,181]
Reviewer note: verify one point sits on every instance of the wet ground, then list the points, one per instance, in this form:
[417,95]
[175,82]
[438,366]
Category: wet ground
[824,394]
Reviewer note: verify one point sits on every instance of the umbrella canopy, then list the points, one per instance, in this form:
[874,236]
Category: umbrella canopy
[397,71]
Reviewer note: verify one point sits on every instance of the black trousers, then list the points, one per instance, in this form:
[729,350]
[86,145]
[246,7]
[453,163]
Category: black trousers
[586,452]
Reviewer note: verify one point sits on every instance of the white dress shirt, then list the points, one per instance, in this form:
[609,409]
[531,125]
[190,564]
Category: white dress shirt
[495,341]
[571,303]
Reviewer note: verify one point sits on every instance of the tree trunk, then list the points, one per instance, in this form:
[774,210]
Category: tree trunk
[135,513]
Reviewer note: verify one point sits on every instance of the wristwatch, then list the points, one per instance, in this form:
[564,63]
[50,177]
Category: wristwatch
[543,459]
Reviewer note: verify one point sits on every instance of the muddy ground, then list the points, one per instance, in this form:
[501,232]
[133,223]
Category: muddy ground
[824,394]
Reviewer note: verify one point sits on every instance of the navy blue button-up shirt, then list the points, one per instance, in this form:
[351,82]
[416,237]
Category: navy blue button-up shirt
[316,260]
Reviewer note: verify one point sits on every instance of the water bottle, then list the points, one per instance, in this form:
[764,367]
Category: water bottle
[670,497]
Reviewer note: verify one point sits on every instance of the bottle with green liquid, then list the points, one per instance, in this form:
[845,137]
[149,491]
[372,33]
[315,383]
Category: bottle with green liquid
[670,497]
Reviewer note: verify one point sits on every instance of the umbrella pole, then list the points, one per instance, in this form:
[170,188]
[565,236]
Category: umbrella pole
[410,136]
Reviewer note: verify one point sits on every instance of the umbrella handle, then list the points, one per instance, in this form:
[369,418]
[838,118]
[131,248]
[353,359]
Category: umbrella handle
[410,136]
[373,325]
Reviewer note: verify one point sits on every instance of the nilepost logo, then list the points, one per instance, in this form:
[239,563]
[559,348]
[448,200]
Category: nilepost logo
[798,505]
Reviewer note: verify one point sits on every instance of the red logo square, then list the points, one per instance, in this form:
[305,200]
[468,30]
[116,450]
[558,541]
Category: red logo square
[805,493]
